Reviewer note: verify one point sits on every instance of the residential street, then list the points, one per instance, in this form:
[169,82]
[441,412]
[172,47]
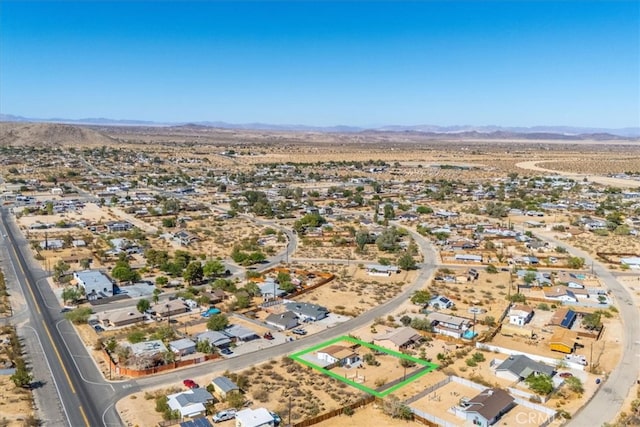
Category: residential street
[607,402]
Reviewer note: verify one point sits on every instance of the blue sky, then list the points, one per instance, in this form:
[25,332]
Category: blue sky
[509,63]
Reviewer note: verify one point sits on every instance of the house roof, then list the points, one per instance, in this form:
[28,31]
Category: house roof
[214,337]
[240,332]
[306,309]
[253,417]
[560,316]
[190,402]
[520,310]
[400,336]
[446,318]
[338,351]
[522,366]
[283,319]
[225,384]
[148,348]
[490,403]
[126,314]
[182,344]
[565,337]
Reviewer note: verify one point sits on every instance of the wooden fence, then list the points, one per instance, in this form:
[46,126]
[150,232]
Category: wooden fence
[130,372]
[327,415]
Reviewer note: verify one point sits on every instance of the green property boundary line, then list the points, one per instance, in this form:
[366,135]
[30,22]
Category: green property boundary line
[298,358]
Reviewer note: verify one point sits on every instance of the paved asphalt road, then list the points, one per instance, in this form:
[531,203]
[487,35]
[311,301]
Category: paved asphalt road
[80,387]
[605,406]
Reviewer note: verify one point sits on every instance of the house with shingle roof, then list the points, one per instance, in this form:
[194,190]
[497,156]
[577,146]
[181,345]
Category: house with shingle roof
[519,367]
[486,408]
[190,403]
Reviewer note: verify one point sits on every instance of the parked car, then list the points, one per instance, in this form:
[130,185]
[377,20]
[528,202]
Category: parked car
[65,309]
[227,414]
[299,331]
[276,418]
[226,351]
[98,328]
[268,336]
[190,383]
[565,375]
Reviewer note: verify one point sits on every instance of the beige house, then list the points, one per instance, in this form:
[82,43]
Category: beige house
[127,316]
[398,339]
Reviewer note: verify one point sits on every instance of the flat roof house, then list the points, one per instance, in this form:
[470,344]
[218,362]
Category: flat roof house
[381,270]
[96,284]
[148,348]
[259,417]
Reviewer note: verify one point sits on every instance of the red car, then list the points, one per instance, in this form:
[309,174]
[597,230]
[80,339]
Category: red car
[190,384]
[565,375]
[267,336]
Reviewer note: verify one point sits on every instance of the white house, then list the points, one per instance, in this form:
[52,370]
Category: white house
[343,355]
[190,403]
[259,417]
[520,314]
[96,284]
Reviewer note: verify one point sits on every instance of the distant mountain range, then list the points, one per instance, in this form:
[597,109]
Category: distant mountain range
[466,131]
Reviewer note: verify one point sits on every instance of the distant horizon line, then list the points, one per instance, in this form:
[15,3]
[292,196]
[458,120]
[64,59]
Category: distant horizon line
[257,125]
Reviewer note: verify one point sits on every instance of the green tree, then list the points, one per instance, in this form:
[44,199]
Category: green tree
[388,212]
[60,269]
[169,222]
[491,269]
[529,277]
[540,384]
[252,289]
[592,320]
[71,294]
[362,238]
[136,337]
[162,281]
[79,315]
[387,240]
[406,262]
[217,322]
[575,262]
[213,268]
[143,305]
[193,273]
[21,377]
[204,346]
[156,295]
[575,384]
[421,297]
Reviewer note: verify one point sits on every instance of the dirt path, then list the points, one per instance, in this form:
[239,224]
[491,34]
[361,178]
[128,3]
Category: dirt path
[604,180]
